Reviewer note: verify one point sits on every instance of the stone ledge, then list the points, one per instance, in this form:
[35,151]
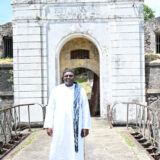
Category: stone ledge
[6,65]
[153,63]
[6,93]
[14,2]
[153,91]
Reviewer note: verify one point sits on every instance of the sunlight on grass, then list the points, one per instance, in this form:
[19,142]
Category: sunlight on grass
[85,86]
[6,60]
[27,142]
[126,139]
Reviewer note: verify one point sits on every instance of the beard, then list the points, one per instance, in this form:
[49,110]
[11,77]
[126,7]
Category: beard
[68,83]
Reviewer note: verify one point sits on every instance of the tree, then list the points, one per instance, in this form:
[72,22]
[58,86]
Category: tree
[148,12]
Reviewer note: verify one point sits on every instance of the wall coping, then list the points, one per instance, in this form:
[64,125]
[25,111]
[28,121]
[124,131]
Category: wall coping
[6,93]
[153,63]
[6,65]
[14,2]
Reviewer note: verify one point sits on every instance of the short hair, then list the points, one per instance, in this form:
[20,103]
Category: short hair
[68,70]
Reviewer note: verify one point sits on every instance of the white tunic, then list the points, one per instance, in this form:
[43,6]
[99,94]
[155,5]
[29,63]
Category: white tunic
[59,117]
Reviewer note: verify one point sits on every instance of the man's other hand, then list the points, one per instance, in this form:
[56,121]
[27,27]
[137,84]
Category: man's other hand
[49,131]
[85,132]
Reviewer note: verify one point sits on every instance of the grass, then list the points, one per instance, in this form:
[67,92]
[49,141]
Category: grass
[6,60]
[83,81]
[152,57]
[86,87]
[127,139]
[27,142]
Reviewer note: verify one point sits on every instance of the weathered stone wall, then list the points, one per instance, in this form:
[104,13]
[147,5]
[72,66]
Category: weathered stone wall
[6,98]
[5,31]
[152,81]
[150,28]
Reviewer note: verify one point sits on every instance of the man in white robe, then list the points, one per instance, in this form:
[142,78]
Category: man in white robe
[67,120]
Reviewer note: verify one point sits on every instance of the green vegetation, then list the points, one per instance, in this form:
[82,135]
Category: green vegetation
[85,86]
[151,57]
[10,80]
[148,12]
[27,142]
[82,79]
[6,60]
[127,139]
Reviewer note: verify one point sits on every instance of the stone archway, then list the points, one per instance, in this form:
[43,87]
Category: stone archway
[81,45]
[81,53]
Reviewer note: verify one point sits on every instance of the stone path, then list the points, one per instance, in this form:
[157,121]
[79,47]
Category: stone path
[103,143]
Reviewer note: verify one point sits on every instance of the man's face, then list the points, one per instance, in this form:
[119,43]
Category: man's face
[68,78]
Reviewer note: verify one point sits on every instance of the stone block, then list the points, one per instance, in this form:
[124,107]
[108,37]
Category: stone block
[30,94]
[29,81]
[127,72]
[29,74]
[30,88]
[128,79]
[29,60]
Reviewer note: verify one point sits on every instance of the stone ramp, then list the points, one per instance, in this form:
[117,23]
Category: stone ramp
[112,144]
[103,143]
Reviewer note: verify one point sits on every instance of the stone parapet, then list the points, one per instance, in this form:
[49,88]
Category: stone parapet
[68,1]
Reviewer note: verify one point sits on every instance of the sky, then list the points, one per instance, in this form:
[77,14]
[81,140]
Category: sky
[6,9]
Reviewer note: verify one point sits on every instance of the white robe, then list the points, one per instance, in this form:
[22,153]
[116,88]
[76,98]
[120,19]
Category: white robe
[59,117]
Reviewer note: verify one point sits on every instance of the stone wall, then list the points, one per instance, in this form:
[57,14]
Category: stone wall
[6,97]
[150,28]
[152,81]
[5,31]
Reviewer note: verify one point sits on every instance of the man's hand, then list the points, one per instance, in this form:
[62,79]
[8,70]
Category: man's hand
[49,131]
[85,132]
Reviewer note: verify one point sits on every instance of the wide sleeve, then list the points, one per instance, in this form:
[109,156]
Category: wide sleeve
[86,119]
[48,123]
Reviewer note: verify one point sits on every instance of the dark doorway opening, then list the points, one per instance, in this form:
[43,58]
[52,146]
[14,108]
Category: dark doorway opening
[90,82]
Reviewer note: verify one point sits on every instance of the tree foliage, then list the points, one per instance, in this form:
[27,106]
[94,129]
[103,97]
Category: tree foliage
[148,12]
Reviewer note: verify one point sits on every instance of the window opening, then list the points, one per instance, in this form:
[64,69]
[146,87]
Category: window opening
[80,54]
[8,46]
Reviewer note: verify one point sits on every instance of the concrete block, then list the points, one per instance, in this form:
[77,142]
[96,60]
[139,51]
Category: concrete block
[127,65]
[129,86]
[27,45]
[128,72]
[29,81]
[129,79]
[30,88]
[26,67]
[31,74]
[27,38]
[29,52]
[29,60]
[30,94]
[126,93]
[129,58]
[26,31]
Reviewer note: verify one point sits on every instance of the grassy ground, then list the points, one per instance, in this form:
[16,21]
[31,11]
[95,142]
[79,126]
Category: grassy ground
[84,82]
[6,60]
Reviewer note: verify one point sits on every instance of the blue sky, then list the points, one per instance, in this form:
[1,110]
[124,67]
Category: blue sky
[6,9]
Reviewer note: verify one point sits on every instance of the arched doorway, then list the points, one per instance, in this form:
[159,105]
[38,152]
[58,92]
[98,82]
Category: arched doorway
[82,53]
[90,82]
